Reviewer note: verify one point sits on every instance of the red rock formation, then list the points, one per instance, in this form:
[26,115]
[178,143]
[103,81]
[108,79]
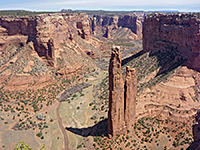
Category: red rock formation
[116,98]
[122,102]
[131,22]
[51,52]
[177,31]
[107,34]
[94,25]
[84,29]
[3,31]
[130,96]
[41,29]
[115,22]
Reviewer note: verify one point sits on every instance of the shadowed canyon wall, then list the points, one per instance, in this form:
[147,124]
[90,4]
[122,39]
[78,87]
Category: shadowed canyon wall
[115,23]
[180,32]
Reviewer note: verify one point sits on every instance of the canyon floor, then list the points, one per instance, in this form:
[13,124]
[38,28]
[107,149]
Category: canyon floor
[79,121]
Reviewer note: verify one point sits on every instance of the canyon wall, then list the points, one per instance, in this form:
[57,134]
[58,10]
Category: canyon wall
[122,99]
[180,32]
[46,31]
[116,22]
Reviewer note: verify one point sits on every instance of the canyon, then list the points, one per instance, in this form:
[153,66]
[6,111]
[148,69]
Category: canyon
[60,87]
[46,32]
[129,25]
[177,34]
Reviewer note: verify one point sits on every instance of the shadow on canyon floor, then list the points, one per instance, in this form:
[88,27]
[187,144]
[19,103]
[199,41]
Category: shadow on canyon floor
[193,146]
[168,60]
[126,60]
[97,130]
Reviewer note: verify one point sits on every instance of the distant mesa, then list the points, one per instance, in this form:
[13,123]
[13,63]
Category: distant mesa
[66,10]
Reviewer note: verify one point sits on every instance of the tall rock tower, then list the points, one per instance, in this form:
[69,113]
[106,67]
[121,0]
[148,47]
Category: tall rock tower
[130,96]
[122,99]
[116,122]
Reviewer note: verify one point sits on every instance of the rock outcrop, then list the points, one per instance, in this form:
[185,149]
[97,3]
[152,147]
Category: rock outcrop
[36,48]
[122,101]
[100,23]
[116,122]
[131,22]
[94,25]
[107,34]
[180,32]
[41,29]
[84,29]
[130,96]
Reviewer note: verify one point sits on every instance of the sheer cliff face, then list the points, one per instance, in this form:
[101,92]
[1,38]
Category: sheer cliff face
[180,32]
[115,23]
[132,23]
[46,31]
[116,97]
[122,99]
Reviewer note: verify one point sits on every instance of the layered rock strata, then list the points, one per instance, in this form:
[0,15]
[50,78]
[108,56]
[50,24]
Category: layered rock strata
[180,32]
[46,31]
[115,23]
[122,101]
[107,34]
[130,96]
[116,122]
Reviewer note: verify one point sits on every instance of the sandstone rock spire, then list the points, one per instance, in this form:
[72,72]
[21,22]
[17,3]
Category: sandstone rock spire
[122,100]
[116,94]
[107,34]
[130,96]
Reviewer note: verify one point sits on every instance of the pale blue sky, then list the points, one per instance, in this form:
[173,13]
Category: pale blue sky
[56,5]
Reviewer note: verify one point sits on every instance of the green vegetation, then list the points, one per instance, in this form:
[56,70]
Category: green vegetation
[24,146]
[149,131]
[21,13]
[164,61]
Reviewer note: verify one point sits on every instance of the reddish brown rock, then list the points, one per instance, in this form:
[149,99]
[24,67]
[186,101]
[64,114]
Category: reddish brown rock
[50,52]
[94,25]
[41,29]
[107,34]
[116,98]
[122,102]
[131,22]
[130,96]
[3,31]
[84,29]
[179,32]
[116,24]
